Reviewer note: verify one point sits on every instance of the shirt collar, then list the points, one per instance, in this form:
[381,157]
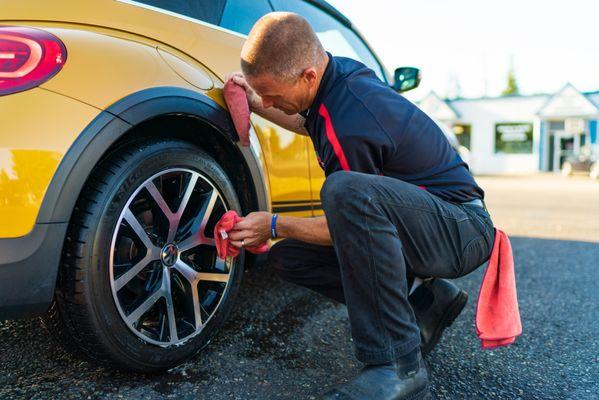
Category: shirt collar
[323,88]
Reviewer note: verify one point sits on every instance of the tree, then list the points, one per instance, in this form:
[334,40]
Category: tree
[512,86]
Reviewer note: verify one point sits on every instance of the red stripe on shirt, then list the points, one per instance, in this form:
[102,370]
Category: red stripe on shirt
[332,136]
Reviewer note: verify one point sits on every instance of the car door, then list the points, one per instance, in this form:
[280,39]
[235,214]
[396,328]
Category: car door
[339,40]
[286,153]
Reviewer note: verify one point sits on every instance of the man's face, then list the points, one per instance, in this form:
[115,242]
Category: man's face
[290,97]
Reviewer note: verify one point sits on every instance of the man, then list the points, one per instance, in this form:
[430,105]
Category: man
[399,203]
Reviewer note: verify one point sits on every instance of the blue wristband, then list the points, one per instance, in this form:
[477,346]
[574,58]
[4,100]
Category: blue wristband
[273,226]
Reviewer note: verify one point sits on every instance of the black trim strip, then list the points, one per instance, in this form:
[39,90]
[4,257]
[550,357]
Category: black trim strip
[291,202]
[291,208]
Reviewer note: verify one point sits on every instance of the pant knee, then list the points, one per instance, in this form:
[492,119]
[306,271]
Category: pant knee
[339,189]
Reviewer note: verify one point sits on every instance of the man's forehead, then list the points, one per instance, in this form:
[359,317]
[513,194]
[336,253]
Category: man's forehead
[265,83]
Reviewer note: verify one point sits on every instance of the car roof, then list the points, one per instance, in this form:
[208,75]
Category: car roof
[326,7]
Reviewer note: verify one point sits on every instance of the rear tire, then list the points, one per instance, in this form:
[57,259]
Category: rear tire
[107,309]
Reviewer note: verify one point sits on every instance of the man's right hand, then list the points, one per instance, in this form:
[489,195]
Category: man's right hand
[254,101]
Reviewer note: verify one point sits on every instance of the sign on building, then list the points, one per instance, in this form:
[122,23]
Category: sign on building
[513,137]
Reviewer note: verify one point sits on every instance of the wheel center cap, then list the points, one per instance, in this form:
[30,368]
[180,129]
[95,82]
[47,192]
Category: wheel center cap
[169,254]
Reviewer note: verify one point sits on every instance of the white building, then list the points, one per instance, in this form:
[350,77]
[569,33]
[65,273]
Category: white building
[520,134]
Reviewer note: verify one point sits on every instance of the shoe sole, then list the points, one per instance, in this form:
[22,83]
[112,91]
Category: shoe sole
[452,313]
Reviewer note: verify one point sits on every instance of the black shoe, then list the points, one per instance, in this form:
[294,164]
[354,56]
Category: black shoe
[393,381]
[436,304]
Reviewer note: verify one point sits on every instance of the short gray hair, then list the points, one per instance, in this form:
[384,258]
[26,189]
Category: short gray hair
[281,44]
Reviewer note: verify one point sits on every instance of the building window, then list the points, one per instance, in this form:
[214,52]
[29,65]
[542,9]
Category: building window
[462,132]
[513,138]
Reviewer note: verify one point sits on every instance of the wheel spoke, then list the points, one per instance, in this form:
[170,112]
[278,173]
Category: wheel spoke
[189,273]
[197,311]
[138,229]
[197,237]
[172,219]
[157,196]
[170,308]
[188,191]
[208,276]
[133,271]
[143,307]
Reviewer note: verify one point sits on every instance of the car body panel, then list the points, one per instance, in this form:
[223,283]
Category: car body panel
[35,135]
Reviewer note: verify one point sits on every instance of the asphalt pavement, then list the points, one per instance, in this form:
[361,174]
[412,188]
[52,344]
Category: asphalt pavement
[286,342]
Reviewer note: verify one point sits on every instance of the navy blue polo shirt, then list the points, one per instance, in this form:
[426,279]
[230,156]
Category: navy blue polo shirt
[359,123]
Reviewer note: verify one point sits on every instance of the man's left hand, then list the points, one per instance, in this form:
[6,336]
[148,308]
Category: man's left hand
[253,230]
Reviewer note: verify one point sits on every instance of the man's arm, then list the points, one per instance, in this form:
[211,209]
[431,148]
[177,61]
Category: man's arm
[255,229]
[311,230]
[293,122]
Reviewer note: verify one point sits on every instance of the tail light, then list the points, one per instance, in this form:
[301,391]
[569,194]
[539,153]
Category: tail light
[28,58]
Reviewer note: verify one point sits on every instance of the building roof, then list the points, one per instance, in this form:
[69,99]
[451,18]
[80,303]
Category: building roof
[439,108]
[567,102]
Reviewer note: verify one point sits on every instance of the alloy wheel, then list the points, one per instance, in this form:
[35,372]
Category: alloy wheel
[166,279]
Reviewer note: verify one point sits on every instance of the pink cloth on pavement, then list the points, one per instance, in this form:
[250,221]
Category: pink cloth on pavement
[497,315]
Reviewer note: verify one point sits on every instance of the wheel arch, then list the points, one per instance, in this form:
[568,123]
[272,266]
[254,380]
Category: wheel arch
[144,114]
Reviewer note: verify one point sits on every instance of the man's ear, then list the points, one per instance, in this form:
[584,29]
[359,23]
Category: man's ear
[310,75]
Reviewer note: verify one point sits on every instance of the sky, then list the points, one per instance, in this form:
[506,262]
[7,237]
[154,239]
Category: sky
[465,47]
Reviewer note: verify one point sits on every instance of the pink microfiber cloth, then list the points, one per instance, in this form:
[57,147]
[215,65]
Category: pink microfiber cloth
[239,108]
[221,238]
[497,316]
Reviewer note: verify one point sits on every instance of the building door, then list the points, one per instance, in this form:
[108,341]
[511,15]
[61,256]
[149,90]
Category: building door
[555,131]
[551,148]
[566,148]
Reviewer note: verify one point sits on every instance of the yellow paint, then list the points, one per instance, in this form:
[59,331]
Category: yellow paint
[24,175]
[38,127]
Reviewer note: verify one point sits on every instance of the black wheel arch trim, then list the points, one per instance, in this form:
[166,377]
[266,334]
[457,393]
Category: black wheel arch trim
[115,121]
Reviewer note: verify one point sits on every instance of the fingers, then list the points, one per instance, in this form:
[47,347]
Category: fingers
[237,243]
[239,234]
[240,80]
[233,75]
[241,225]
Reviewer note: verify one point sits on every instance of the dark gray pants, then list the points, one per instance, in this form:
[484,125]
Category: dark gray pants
[383,230]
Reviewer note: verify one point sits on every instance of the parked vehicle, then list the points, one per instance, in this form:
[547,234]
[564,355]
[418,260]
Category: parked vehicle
[118,156]
[584,162]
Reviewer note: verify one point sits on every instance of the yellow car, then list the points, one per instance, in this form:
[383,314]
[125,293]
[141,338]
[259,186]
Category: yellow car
[118,156]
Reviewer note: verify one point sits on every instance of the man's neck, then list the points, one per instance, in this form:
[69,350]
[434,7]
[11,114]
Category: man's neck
[320,74]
